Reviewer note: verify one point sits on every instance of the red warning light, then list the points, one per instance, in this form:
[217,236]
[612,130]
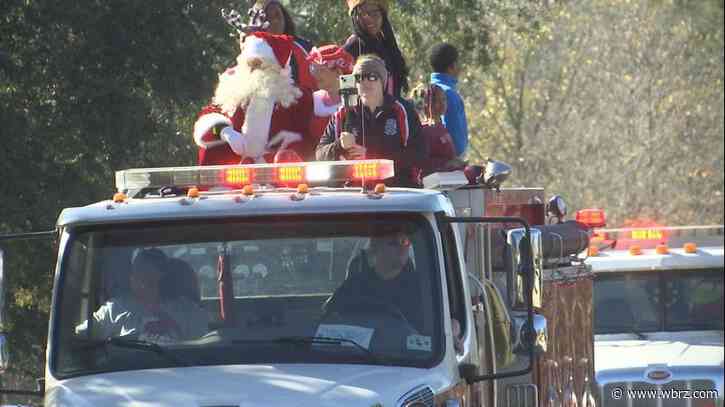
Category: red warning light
[594,218]
[238,176]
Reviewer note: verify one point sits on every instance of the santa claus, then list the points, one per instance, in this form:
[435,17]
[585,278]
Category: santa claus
[257,111]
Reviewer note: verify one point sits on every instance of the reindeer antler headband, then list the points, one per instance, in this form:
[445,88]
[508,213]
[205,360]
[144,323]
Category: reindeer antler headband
[258,20]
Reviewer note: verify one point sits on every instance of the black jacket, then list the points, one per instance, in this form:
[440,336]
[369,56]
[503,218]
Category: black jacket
[391,132]
[402,292]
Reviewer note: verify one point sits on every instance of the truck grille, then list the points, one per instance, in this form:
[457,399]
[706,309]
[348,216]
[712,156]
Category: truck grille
[624,401]
[423,395]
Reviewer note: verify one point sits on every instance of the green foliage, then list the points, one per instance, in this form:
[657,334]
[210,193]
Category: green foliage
[87,88]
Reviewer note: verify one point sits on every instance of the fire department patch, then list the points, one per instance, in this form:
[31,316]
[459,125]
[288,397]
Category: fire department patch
[391,127]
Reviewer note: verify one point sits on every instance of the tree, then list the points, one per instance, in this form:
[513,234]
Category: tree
[602,103]
[86,89]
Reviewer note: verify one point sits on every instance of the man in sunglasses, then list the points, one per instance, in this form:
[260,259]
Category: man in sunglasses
[381,126]
[380,277]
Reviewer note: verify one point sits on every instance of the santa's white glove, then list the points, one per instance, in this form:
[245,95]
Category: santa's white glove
[237,142]
[284,139]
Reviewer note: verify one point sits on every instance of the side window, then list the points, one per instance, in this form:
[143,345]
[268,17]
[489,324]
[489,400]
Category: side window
[453,277]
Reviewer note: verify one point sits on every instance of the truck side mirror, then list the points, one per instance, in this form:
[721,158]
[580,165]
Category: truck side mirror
[523,339]
[521,254]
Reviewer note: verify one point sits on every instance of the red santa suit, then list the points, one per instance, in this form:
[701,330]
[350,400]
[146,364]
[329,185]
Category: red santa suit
[256,111]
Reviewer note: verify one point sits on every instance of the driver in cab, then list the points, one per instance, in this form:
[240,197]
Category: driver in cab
[381,277]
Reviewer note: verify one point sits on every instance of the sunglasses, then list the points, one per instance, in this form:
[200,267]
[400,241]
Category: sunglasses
[370,77]
[393,242]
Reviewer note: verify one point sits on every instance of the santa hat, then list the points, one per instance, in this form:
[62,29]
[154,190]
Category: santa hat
[332,57]
[268,47]
[383,4]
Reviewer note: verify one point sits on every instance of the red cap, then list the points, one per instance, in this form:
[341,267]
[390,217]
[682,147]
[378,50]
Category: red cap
[332,56]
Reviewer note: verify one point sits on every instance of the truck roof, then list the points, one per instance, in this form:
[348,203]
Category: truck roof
[271,202]
[649,260]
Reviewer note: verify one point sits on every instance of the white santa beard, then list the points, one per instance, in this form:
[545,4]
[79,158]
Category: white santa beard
[267,82]
[257,91]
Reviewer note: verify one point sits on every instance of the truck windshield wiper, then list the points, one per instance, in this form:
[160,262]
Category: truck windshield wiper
[318,340]
[623,330]
[130,343]
[639,334]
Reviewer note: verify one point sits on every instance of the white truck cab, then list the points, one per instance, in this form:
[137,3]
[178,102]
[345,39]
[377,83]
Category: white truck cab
[252,286]
[658,307]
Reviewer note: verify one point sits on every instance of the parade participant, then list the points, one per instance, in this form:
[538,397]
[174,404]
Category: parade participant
[379,127]
[143,313]
[445,61]
[373,34]
[431,103]
[257,109]
[280,22]
[327,63]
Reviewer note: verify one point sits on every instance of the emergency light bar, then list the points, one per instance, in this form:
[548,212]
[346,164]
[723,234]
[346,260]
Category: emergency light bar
[237,176]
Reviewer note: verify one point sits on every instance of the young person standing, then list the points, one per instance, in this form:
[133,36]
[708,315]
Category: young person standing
[444,60]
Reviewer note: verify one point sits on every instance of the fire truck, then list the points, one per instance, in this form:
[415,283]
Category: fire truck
[248,264]
[658,296]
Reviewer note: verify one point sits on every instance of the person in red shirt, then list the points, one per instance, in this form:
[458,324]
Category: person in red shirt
[431,103]
[327,63]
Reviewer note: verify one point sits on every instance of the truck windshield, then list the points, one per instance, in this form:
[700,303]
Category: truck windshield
[322,289]
[637,302]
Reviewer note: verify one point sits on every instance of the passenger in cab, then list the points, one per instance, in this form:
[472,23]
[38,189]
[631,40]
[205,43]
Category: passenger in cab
[431,103]
[373,34]
[257,110]
[379,127]
[327,63]
[281,23]
[143,314]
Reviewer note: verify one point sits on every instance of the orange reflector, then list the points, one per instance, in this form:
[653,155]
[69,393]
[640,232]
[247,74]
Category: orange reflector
[380,188]
[365,170]
[290,174]
[248,190]
[193,192]
[238,176]
[593,251]
[662,249]
[594,218]
[119,197]
[303,189]
[690,247]
[635,250]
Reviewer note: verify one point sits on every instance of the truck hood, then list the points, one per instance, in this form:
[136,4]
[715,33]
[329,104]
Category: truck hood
[674,349]
[246,386]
